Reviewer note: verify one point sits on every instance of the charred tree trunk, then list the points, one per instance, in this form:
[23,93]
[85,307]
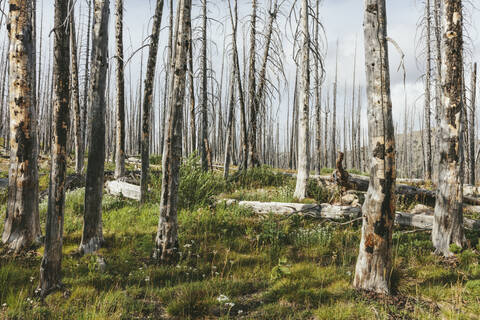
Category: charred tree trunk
[374,263]
[50,269]
[204,114]
[75,97]
[428,131]
[92,236]
[243,117]
[191,73]
[120,125]
[167,235]
[304,105]
[147,99]
[22,225]
[86,80]
[253,107]
[472,124]
[448,221]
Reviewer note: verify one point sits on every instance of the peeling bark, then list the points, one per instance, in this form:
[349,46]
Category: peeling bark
[166,242]
[374,263]
[448,222]
[22,225]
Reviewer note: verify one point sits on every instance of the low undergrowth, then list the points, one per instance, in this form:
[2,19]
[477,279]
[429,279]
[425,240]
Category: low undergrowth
[235,264]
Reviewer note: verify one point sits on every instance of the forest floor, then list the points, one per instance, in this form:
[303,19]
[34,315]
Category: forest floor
[234,264]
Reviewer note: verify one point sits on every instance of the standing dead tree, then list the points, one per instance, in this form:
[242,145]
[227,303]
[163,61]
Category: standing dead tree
[304,105]
[374,263]
[75,96]
[22,223]
[472,124]
[204,91]
[166,243]
[92,236]
[50,269]
[148,97]
[120,123]
[428,76]
[448,220]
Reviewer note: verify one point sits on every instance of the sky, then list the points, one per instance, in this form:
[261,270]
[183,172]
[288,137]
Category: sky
[342,22]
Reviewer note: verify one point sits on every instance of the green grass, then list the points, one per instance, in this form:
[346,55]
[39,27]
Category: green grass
[234,264]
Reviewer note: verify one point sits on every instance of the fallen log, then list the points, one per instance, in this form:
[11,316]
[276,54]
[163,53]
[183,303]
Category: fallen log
[323,210]
[407,193]
[123,189]
[328,211]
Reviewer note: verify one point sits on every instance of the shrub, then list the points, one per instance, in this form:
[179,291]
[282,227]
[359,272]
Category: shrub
[197,187]
[257,177]
[156,159]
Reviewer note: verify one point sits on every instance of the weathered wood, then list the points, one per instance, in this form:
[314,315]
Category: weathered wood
[166,241]
[333,212]
[120,119]
[448,226]
[51,266]
[148,97]
[304,107]
[92,236]
[121,188]
[374,263]
[22,223]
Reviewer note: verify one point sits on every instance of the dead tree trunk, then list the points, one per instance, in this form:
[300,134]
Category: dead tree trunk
[167,235]
[231,110]
[304,105]
[75,96]
[252,130]
[120,125]
[147,99]
[472,124]
[241,95]
[448,222]
[333,151]
[204,132]
[92,236]
[428,72]
[22,225]
[50,269]
[374,263]
[191,73]
[86,85]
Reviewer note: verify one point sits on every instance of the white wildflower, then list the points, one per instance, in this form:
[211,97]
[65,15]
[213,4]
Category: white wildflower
[147,279]
[229,304]
[222,298]
[240,311]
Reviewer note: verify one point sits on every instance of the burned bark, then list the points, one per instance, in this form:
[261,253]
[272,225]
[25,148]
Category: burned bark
[166,242]
[148,97]
[448,222]
[92,236]
[22,225]
[50,269]
[374,263]
[120,123]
